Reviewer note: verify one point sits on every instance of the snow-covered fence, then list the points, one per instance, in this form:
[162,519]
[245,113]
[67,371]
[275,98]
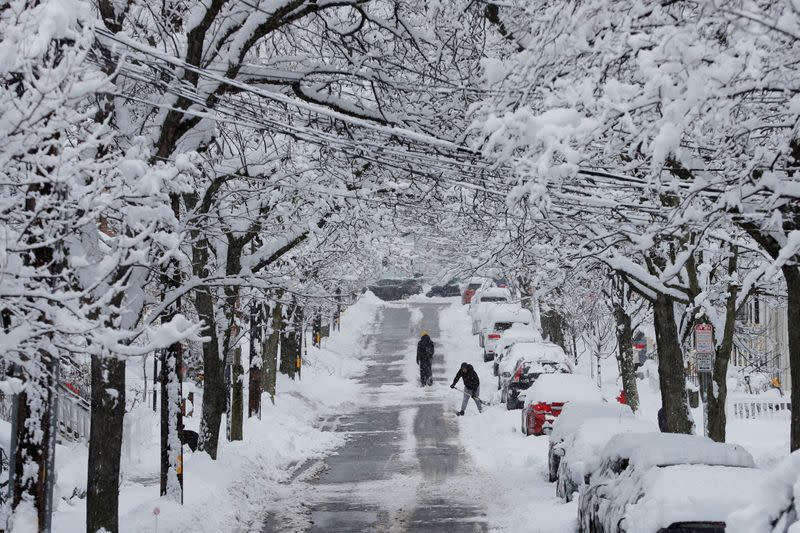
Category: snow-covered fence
[74,415]
[755,408]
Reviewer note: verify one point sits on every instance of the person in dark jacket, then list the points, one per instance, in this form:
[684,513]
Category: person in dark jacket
[425,359]
[472,387]
[662,421]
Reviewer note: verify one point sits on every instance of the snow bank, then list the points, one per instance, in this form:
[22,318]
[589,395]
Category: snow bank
[551,388]
[662,449]
[772,504]
[232,493]
[506,462]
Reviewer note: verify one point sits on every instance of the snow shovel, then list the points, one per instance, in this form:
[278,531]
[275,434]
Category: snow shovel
[484,402]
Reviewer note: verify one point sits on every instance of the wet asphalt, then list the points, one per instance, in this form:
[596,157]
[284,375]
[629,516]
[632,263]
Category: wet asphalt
[403,467]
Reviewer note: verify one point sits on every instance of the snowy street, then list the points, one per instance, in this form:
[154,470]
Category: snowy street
[409,463]
[302,266]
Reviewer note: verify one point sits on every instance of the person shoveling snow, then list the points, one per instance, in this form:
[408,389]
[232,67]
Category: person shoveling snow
[472,387]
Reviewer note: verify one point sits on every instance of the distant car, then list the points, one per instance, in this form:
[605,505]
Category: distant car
[572,416]
[395,289]
[546,398]
[497,320]
[447,290]
[533,360]
[579,451]
[516,333]
[667,482]
[500,282]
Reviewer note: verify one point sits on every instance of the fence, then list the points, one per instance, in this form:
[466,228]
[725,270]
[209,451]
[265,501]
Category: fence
[74,415]
[755,408]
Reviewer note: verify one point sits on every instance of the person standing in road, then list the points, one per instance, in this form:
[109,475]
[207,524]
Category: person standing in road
[425,359]
[472,387]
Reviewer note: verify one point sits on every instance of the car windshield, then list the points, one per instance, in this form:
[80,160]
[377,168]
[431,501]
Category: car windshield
[502,326]
[493,299]
[473,286]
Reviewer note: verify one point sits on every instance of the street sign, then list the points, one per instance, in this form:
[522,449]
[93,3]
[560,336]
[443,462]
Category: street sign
[704,338]
[705,361]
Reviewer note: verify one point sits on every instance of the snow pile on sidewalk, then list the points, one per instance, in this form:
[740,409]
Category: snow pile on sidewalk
[508,463]
[230,494]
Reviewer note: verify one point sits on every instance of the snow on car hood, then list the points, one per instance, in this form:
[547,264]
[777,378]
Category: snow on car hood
[575,413]
[688,493]
[563,388]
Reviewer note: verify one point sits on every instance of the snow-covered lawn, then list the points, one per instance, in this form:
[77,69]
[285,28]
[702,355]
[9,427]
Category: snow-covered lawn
[231,494]
[511,466]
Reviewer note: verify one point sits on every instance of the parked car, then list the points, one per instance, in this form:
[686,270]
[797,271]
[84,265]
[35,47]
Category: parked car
[579,451]
[473,284]
[776,510]
[395,289]
[447,290]
[666,482]
[533,360]
[516,333]
[483,302]
[569,421]
[546,398]
[497,320]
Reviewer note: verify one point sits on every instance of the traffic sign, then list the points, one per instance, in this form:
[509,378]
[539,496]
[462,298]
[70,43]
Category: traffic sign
[705,361]
[704,338]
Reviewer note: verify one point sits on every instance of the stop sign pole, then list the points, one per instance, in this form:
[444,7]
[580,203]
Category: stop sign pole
[704,358]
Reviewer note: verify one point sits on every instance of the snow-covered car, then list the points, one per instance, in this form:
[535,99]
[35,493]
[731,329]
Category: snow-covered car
[516,333]
[483,302]
[545,399]
[580,450]
[569,421]
[776,509]
[663,482]
[533,359]
[472,286]
[498,320]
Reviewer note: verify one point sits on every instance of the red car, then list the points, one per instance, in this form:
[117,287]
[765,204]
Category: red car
[548,394]
[469,292]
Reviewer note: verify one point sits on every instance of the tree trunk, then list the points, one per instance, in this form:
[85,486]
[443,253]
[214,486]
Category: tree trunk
[716,399]
[671,374]
[256,360]
[35,440]
[213,377]
[105,444]
[289,344]
[792,276]
[171,423]
[237,396]
[627,368]
[271,349]
[553,327]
